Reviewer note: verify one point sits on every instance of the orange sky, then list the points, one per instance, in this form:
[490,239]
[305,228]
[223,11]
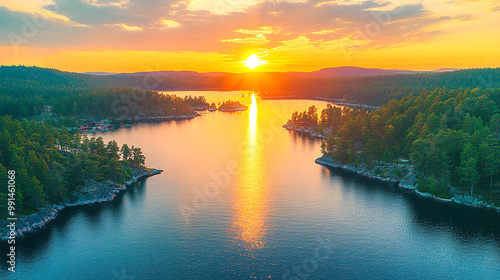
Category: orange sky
[217,35]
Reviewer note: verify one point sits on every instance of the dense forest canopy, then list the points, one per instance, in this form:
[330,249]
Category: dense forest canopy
[34,85]
[445,123]
[51,163]
[370,90]
[25,90]
[378,90]
[450,136]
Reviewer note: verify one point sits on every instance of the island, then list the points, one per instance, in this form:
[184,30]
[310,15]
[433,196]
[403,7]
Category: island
[226,106]
[232,106]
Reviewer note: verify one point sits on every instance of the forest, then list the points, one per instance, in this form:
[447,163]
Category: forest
[451,137]
[50,163]
[379,90]
[370,90]
[446,124]
[33,86]
[25,90]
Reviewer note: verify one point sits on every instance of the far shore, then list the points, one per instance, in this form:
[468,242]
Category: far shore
[154,119]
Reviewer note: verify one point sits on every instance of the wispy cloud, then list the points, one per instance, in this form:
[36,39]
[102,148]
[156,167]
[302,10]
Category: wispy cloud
[265,23]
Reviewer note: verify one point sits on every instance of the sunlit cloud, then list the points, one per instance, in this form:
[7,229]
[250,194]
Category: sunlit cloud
[495,8]
[222,7]
[325,31]
[103,3]
[130,28]
[169,23]
[259,35]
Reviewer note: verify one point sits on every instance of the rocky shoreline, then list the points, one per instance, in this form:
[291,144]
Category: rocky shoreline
[233,108]
[155,119]
[305,129]
[407,183]
[342,102]
[91,193]
[223,108]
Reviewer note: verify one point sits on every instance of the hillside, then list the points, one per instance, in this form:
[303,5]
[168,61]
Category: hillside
[354,85]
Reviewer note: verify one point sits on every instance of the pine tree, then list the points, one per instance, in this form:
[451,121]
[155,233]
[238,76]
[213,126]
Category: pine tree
[125,150]
[137,156]
[468,167]
[492,166]
[112,150]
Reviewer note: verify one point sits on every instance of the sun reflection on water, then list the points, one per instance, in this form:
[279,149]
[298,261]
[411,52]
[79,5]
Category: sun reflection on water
[250,205]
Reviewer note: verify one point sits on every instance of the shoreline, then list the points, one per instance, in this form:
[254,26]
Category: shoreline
[341,102]
[100,192]
[154,119]
[407,183]
[131,121]
[303,129]
[233,110]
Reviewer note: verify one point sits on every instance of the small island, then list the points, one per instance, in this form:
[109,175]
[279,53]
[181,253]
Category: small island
[227,106]
[212,107]
[232,106]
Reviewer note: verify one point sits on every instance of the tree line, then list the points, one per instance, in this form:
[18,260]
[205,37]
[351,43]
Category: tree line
[25,90]
[50,163]
[450,136]
[30,84]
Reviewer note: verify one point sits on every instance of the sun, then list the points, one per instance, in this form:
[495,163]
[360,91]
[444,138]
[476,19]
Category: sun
[253,62]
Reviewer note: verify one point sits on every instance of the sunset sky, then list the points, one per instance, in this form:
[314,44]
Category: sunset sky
[217,35]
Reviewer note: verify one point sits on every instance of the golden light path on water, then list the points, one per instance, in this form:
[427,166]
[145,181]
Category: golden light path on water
[250,205]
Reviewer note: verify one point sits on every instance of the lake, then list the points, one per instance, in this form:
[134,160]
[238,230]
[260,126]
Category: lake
[241,198]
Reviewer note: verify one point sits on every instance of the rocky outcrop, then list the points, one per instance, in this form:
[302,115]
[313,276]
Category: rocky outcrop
[144,119]
[311,130]
[233,108]
[360,170]
[90,193]
[407,182]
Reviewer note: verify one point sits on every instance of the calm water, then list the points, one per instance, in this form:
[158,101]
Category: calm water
[241,198]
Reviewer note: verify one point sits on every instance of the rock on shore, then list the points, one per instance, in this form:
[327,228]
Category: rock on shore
[328,161]
[92,192]
[306,129]
[407,182]
[233,108]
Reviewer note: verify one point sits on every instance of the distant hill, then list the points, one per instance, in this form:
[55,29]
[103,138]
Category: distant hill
[163,73]
[99,73]
[40,78]
[447,69]
[353,84]
[348,71]
[344,71]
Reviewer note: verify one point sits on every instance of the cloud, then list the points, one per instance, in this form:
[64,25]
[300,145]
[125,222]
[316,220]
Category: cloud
[35,29]
[374,21]
[463,17]
[495,8]
[172,25]
[91,14]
